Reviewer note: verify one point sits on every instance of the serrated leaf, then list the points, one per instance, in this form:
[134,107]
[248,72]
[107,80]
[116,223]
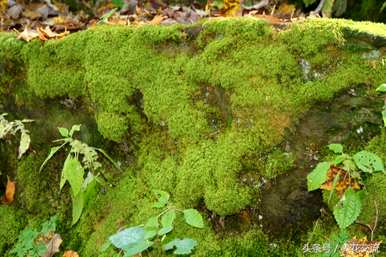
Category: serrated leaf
[73,172]
[382,87]
[167,222]
[348,209]
[25,141]
[368,162]
[336,148]
[193,218]
[63,132]
[318,176]
[163,198]
[74,128]
[183,246]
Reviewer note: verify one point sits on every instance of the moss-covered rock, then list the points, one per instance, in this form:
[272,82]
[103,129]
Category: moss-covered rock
[12,222]
[190,106]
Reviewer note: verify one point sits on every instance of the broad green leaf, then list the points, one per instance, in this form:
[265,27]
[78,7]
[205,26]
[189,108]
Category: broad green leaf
[368,162]
[163,198]
[53,151]
[77,207]
[183,246]
[193,218]
[127,237]
[167,222]
[25,141]
[73,173]
[151,227]
[134,249]
[349,165]
[75,128]
[336,148]
[318,176]
[382,87]
[348,208]
[63,132]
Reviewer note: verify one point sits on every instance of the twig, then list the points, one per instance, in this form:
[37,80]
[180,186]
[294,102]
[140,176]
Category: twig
[375,221]
[319,7]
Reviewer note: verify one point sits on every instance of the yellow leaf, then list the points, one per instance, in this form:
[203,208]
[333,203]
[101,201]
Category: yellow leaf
[70,254]
[9,192]
[231,8]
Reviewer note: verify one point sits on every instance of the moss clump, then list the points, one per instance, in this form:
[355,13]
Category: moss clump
[194,105]
[12,222]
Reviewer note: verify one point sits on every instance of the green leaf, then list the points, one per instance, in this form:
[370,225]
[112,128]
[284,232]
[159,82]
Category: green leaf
[131,240]
[193,218]
[318,176]
[183,246]
[348,208]
[118,3]
[53,151]
[308,2]
[25,141]
[63,132]
[77,207]
[382,87]
[75,128]
[167,222]
[336,148]
[137,248]
[163,198]
[384,115]
[73,173]
[151,227]
[368,162]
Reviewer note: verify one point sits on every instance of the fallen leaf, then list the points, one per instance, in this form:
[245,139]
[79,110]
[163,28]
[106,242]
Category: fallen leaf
[345,181]
[10,189]
[157,19]
[47,33]
[231,8]
[53,245]
[70,254]
[28,34]
[360,247]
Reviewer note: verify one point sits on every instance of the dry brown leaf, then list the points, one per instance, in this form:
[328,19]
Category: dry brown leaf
[70,254]
[360,247]
[231,8]
[28,34]
[47,33]
[10,189]
[53,245]
[345,181]
[157,19]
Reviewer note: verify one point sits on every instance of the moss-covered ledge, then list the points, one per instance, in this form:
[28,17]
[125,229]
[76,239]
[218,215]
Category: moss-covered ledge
[194,104]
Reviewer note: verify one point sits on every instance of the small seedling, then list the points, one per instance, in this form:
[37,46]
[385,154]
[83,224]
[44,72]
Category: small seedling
[135,240]
[343,174]
[12,128]
[73,170]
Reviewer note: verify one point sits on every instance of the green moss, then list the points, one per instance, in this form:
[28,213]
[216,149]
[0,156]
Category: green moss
[37,191]
[193,117]
[12,222]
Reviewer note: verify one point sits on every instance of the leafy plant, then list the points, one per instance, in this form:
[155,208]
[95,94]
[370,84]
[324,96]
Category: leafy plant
[343,174]
[12,128]
[31,242]
[137,239]
[382,89]
[74,170]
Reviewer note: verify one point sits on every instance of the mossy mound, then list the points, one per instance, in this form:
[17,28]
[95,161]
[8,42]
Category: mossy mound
[185,108]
